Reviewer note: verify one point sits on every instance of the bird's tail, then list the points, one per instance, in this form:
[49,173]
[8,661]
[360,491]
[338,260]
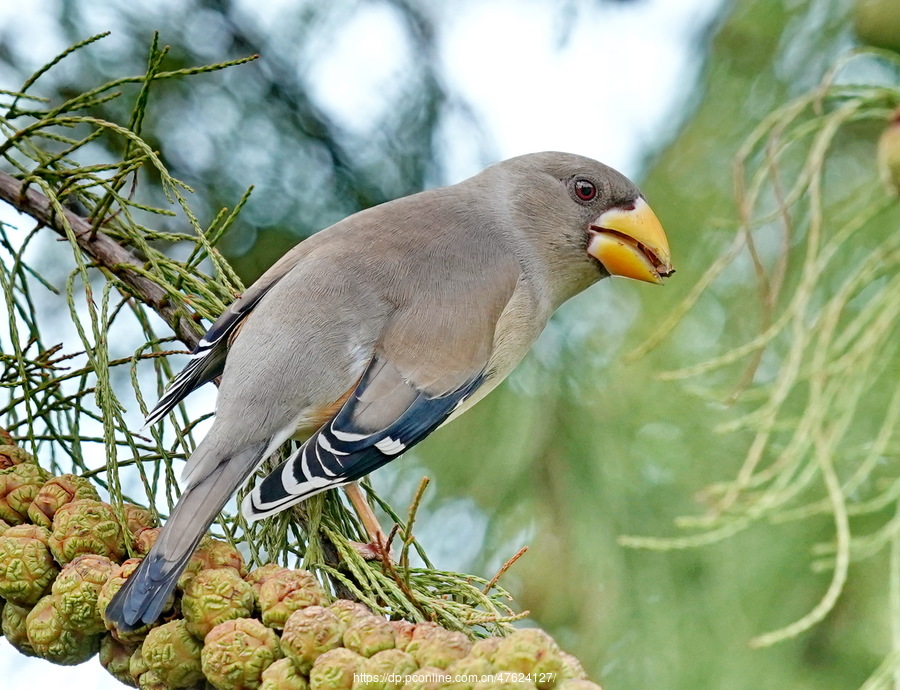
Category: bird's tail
[143,596]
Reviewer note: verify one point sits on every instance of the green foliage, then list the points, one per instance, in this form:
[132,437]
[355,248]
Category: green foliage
[830,330]
[269,124]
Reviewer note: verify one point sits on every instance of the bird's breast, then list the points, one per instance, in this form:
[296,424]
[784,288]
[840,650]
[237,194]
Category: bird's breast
[519,325]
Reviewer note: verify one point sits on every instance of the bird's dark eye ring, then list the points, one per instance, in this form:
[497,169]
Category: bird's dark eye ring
[585,190]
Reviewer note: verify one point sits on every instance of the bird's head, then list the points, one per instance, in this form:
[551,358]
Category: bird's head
[586,218]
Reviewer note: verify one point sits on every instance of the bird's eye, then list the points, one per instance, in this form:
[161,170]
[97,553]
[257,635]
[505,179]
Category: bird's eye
[585,190]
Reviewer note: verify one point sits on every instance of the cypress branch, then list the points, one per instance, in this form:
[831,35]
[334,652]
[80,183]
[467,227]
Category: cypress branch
[105,252]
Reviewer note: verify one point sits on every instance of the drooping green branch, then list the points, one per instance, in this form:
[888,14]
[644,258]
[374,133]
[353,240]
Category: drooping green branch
[821,416]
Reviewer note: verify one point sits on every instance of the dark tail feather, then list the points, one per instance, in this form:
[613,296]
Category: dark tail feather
[207,363]
[143,596]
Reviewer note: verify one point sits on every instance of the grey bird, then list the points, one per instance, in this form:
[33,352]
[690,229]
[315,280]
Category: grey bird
[372,333]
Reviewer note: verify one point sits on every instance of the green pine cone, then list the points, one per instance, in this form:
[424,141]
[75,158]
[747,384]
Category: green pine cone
[486,648]
[335,670]
[283,675]
[138,518]
[215,596]
[369,635]
[236,652]
[286,592]
[438,647]
[86,527]
[530,651]
[420,633]
[173,655]
[151,680]
[137,666]
[78,586]
[403,633]
[212,553]
[53,638]
[141,527]
[309,633]
[12,624]
[466,673]
[349,611]
[571,668]
[145,539]
[426,678]
[19,485]
[26,565]
[57,492]
[259,575]
[11,455]
[385,670]
[115,657]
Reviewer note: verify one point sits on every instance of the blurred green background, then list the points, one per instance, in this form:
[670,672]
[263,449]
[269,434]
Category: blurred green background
[581,445]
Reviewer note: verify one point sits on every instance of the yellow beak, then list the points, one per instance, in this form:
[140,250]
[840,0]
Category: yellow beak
[631,243]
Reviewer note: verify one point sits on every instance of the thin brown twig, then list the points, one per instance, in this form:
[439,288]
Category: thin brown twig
[402,582]
[770,286]
[105,251]
[503,568]
[390,537]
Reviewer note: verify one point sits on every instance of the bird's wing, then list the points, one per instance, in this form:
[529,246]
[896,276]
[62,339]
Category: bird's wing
[432,356]
[208,358]
[353,443]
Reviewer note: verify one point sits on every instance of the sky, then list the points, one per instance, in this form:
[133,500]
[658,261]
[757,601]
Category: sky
[614,88]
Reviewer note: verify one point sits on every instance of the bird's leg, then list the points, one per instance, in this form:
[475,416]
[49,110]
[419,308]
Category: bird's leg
[378,540]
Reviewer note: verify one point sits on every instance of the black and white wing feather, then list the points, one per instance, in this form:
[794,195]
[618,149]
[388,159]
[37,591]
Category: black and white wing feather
[349,446]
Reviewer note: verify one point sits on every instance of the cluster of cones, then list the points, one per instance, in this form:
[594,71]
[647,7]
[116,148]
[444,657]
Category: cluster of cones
[63,556]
